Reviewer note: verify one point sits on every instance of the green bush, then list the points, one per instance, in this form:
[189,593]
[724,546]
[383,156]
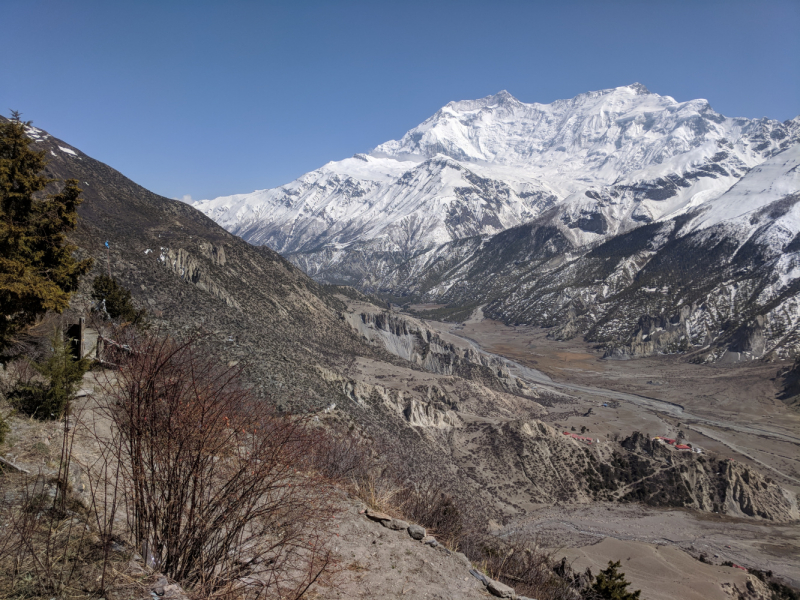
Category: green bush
[115,301]
[49,398]
[611,585]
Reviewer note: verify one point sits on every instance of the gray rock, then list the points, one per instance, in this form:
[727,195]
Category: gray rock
[397,524]
[479,576]
[174,592]
[429,540]
[501,590]
[416,531]
[158,589]
[378,516]
[136,569]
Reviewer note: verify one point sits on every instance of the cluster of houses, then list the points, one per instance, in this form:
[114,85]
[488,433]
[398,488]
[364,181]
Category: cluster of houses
[588,440]
[672,442]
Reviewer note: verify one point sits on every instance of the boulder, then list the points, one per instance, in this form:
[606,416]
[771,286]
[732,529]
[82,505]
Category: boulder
[174,592]
[377,516]
[479,576]
[397,525]
[416,531]
[501,590]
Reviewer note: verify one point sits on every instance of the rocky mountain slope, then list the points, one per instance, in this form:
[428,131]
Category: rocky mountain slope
[583,214]
[445,411]
[716,280]
[482,166]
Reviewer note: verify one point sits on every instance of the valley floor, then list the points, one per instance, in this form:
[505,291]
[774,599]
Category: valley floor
[730,410]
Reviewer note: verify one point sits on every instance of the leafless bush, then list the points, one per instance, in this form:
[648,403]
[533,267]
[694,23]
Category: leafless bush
[371,473]
[426,501]
[217,485]
[42,547]
[46,543]
[517,560]
[343,457]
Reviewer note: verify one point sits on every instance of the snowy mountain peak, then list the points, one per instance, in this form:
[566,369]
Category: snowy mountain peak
[639,88]
[611,160]
[501,99]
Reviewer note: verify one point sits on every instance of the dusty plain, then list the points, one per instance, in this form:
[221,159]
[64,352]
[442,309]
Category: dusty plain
[731,410]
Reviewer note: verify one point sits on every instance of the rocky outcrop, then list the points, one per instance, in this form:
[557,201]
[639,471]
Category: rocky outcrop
[417,409]
[541,465]
[655,335]
[696,480]
[191,269]
[413,341]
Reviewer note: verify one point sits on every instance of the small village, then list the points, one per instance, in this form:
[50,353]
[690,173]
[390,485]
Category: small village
[672,442]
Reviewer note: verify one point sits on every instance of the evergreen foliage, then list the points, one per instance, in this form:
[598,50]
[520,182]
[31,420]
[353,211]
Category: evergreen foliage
[115,300]
[50,398]
[38,271]
[610,584]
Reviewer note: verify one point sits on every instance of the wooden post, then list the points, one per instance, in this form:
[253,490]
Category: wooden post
[77,338]
[81,337]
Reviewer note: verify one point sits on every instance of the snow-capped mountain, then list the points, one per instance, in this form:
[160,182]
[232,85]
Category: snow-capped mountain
[635,220]
[720,279]
[478,167]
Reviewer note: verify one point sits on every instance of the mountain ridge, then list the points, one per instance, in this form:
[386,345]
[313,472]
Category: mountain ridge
[489,201]
[503,163]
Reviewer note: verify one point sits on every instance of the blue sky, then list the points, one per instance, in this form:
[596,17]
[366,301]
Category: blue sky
[210,98]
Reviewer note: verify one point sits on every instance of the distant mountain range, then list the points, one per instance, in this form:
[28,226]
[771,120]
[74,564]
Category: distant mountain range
[646,224]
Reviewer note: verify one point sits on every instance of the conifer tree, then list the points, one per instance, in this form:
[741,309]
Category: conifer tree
[38,271]
[61,373]
[115,301]
[611,585]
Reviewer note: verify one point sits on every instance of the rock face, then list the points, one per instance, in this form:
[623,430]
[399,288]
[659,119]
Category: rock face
[543,466]
[582,215]
[412,340]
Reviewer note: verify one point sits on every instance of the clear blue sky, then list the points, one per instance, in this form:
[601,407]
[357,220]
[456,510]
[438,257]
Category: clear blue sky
[211,98]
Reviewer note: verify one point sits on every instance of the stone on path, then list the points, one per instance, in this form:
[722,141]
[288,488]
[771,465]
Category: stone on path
[378,516]
[416,531]
[397,525]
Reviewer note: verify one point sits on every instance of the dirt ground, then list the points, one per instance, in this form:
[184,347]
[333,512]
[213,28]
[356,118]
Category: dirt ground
[661,572]
[376,562]
[730,409]
[580,530]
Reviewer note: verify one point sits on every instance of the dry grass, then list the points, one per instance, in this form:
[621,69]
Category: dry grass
[177,462]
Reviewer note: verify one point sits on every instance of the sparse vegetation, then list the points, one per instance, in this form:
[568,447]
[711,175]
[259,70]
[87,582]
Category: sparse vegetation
[217,485]
[47,396]
[114,301]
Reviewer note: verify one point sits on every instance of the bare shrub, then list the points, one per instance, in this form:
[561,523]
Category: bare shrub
[217,484]
[370,472]
[427,502]
[41,547]
[517,560]
[47,544]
